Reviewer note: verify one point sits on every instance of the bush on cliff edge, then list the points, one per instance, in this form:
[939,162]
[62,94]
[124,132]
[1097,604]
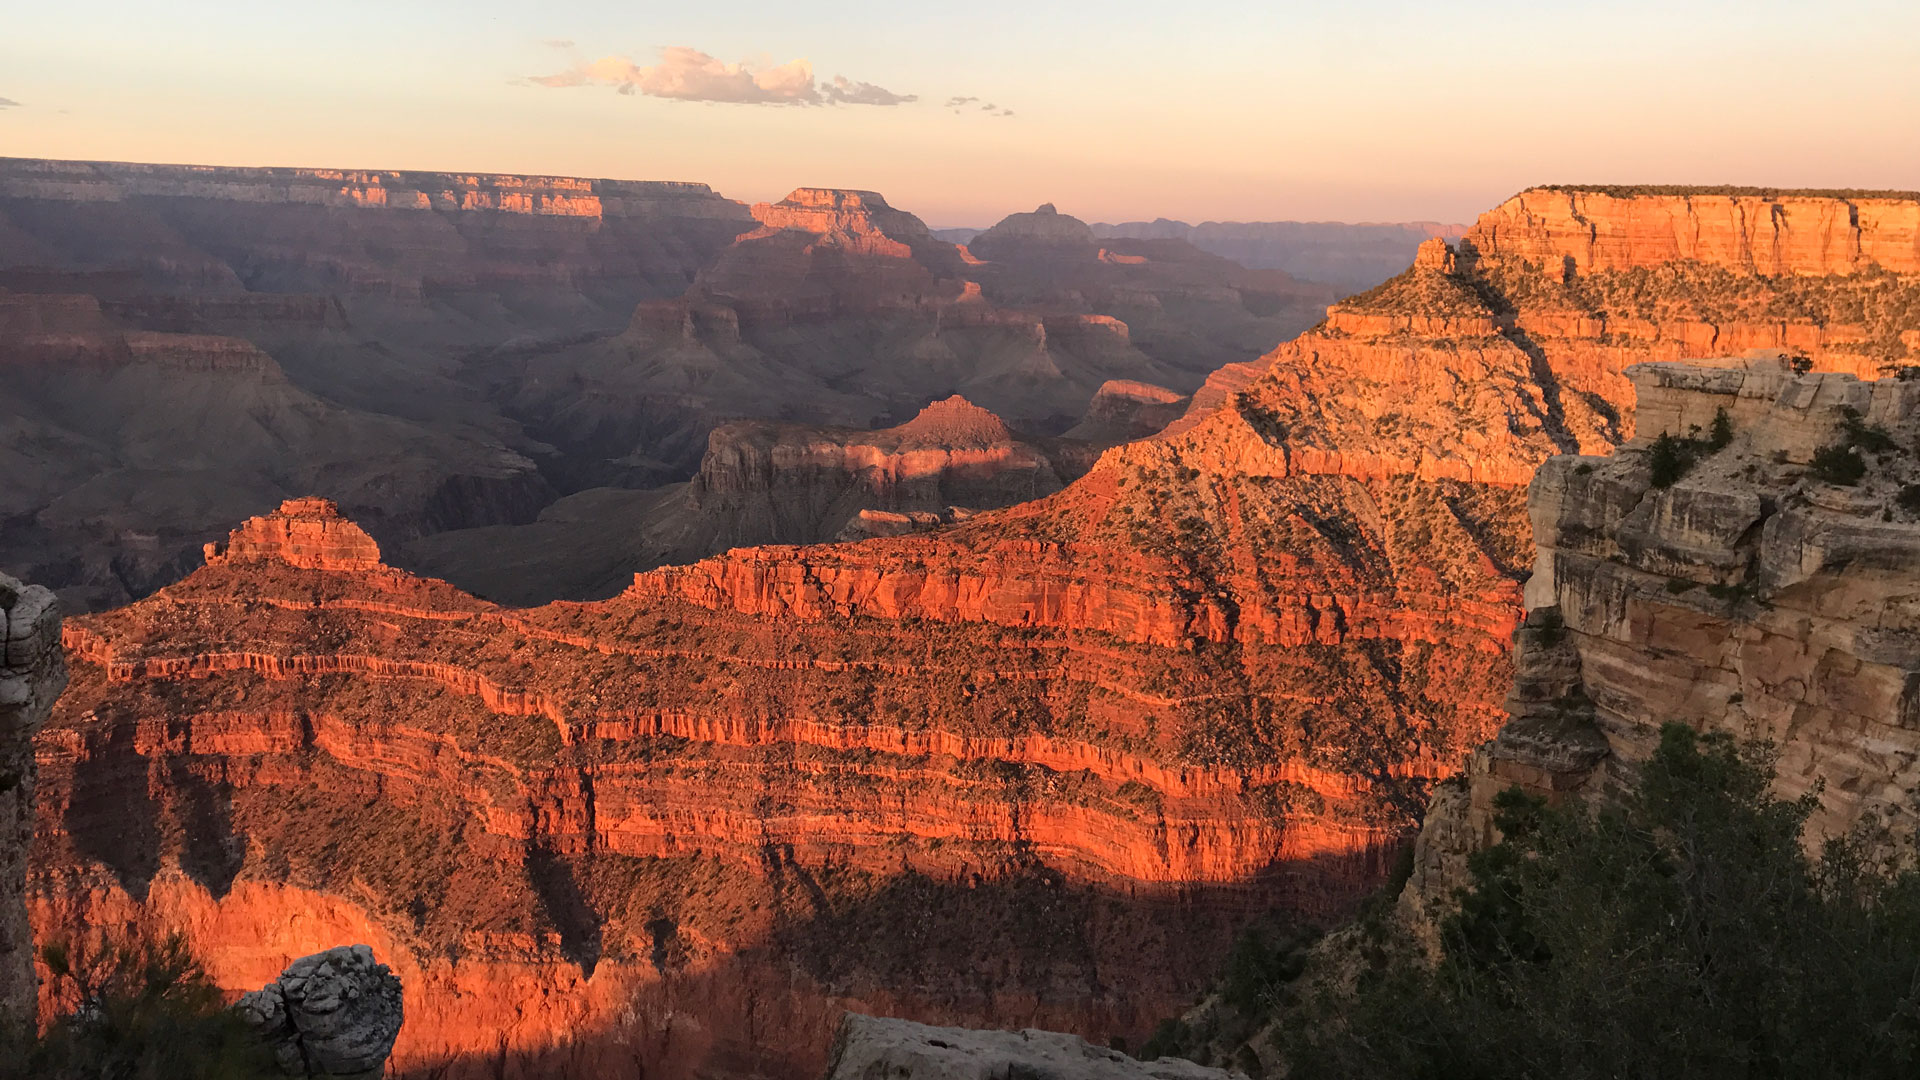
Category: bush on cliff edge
[1681,932]
[135,1009]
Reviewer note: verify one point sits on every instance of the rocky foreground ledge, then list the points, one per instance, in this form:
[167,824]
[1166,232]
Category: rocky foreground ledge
[875,1047]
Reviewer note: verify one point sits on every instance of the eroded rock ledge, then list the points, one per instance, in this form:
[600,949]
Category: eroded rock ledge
[1754,595]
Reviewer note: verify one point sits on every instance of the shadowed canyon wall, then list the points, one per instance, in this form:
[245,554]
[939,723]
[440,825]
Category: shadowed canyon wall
[188,346]
[1218,673]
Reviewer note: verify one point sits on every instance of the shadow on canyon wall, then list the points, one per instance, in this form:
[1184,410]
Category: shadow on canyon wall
[1023,946]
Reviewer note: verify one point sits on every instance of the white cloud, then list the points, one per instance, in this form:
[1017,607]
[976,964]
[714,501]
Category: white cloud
[685,74]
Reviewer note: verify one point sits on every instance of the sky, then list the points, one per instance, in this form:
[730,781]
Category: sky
[1362,110]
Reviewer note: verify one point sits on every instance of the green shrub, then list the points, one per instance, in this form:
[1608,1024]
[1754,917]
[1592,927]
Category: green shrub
[1840,465]
[1670,460]
[1909,498]
[1861,435]
[137,1009]
[1169,1039]
[1722,434]
[1680,931]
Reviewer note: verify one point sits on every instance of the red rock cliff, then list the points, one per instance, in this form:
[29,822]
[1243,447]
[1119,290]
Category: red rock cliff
[1223,665]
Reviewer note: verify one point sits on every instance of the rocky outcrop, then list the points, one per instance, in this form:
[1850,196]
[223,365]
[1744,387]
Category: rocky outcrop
[874,1048]
[1044,234]
[330,1016]
[135,448]
[1770,233]
[763,483]
[308,533]
[1122,411]
[1758,595]
[32,673]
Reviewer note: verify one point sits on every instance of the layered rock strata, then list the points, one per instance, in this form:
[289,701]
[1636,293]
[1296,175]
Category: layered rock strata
[762,483]
[128,450]
[1226,665]
[33,671]
[1761,595]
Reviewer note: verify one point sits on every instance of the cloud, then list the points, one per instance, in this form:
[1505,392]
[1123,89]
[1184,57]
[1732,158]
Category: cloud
[958,102]
[685,74]
[557,43]
[8,103]
[844,91]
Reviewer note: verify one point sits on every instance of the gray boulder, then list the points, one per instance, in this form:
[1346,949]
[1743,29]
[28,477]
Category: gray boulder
[333,1014]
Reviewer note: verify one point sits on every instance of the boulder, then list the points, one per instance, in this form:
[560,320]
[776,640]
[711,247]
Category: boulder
[334,1014]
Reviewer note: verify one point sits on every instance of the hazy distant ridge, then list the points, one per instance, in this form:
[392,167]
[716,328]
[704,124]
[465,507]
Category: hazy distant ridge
[1352,256]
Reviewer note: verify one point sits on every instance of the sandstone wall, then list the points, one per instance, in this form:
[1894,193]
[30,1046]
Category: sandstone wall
[1772,234]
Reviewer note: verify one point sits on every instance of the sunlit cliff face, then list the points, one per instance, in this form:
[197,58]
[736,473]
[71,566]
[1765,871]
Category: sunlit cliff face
[1215,674]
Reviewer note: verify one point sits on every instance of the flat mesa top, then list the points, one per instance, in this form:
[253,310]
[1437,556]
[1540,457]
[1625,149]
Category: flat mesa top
[1629,191]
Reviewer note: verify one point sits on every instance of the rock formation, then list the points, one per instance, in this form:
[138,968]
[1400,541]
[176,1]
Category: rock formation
[1762,594]
[763,482]
[875,1048]
[843,311]
[437,352]
[1222,669]
[32,673]
[127,450]
[330,1016]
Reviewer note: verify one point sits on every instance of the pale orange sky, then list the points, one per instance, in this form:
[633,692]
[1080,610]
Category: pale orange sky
[1120,110]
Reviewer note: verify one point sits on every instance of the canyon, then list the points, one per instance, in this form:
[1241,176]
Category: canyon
[1034,767]
[763,482]
[188,346]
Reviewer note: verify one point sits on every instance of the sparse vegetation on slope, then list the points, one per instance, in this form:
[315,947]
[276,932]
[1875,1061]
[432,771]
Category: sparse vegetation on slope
[135,1009]
[1681,932]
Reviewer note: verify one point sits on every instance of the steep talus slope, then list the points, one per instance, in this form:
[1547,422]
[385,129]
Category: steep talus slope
[1761,594]
[1219,670]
